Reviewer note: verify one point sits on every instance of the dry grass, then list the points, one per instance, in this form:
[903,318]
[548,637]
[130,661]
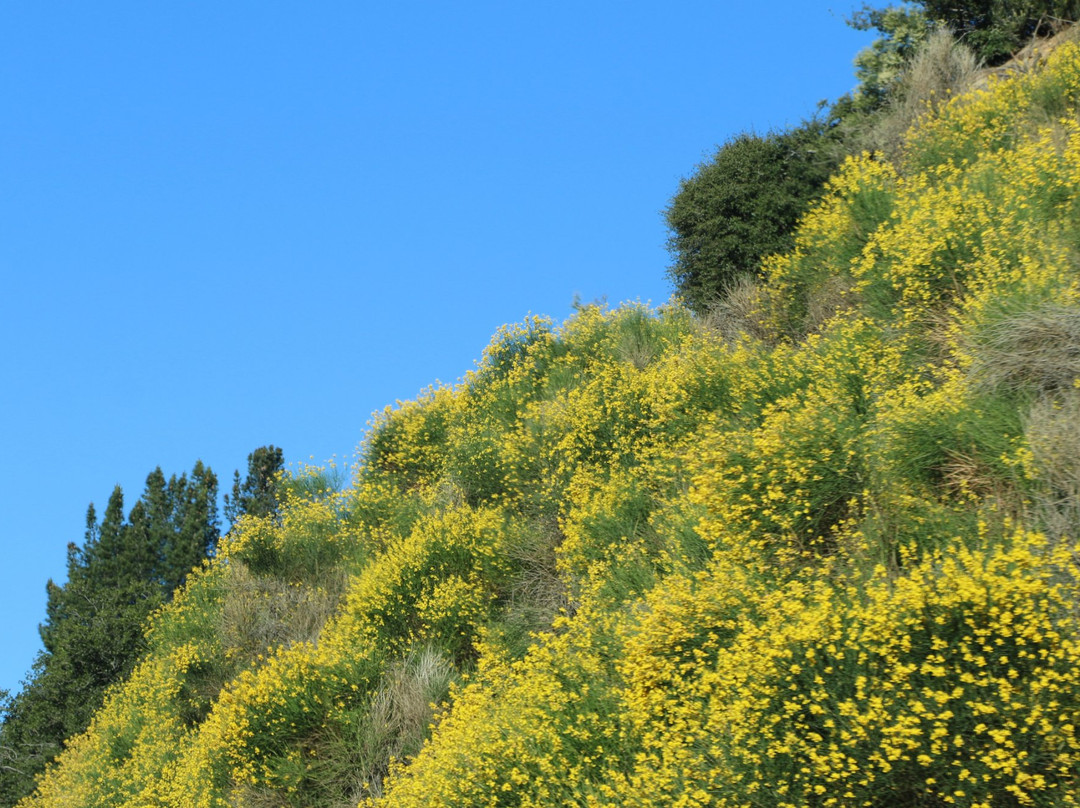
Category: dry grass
[635,342]
[637,353]
[538,582]
[826,301]
[1037,349]
[1053,436]
[261,613]
[739,312]
[399,716]
[942,69]
[351,763]
[964,476]
[535,594]
[245,796]
[1031,56]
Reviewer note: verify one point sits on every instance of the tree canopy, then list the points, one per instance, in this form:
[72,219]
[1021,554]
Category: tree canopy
[743,205]
[993,29]
[258,493]
[93,630]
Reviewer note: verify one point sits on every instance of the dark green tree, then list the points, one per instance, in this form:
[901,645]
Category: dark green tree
[996,29]
[259,492]
[93,632]
[743,205]
[92,635]
[993,29]
[193,521]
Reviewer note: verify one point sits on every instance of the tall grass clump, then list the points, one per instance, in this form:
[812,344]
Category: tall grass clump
[941,69]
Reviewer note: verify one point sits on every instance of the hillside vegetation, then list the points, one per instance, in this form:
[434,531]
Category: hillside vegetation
[819,549]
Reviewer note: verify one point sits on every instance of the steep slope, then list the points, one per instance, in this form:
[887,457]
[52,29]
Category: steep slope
[822,554]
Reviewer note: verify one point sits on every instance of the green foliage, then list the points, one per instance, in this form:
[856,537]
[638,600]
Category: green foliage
[993,29]
[880,67]
[409,443]
[258,494]
[743,206]
[996,29]
[93,646]
[93,634]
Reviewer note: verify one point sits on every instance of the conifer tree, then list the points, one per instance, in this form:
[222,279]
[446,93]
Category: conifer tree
[93,632]
[258,495]
[190,524]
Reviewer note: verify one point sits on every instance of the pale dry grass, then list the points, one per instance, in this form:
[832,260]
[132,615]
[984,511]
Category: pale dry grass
[261,613]
[351,762]
[537,582]
[942,69]
[827,300]
[1052,432]
[399,716]
[1037,349]
[739,312]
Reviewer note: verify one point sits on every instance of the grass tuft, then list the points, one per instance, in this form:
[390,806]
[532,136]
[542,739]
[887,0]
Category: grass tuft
[1037,349]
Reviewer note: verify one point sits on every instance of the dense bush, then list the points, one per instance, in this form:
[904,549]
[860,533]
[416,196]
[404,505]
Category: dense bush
[993,29]
[880,67]
[743,205]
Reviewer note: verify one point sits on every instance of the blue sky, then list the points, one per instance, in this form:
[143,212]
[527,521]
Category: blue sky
[231,224]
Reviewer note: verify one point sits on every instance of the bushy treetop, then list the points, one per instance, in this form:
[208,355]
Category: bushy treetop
[743,205]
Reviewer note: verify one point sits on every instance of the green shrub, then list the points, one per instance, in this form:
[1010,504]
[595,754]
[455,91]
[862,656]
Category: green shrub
[743,205]
[993,29]
[408,445]
[880,67]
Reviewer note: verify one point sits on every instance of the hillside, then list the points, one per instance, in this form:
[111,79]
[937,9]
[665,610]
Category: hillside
[818,549]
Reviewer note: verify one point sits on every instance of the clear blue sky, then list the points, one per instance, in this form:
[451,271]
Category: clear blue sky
[229,224]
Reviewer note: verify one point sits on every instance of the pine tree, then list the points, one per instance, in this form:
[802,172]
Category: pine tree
[193,522]
[92,635]
[93,632]
[258,495]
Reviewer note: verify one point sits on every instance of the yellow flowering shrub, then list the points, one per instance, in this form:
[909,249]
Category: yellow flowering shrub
[957,683]
[542,731]
[407,443]
[135,737]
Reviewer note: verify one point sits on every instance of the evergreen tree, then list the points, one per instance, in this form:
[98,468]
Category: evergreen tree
[158,506]
[193,522]
[92,636]
[106,557]
[93,632]
[743,206]
[995,29]
[258,495]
